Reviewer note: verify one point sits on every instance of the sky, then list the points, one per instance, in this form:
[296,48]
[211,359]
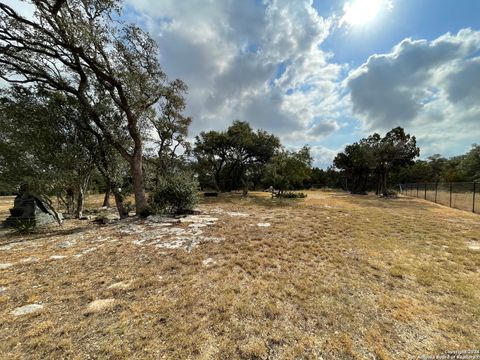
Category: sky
[325,72]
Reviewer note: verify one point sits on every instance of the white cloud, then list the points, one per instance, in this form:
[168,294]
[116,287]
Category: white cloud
[247,60]
[322,156]
[429,87]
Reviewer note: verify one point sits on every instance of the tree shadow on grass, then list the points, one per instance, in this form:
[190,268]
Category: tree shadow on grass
[250,199]
[41,233]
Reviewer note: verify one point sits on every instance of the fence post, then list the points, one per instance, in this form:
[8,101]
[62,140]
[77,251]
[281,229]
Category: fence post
[473,204]
[417,190]
[436,191]
[425,197]
[450,194]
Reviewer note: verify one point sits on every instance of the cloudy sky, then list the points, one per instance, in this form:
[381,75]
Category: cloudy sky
[325,72]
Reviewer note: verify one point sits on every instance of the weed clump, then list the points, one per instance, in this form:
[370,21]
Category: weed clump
[292,195]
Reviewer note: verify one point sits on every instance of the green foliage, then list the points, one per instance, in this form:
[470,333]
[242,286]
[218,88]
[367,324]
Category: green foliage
[288,169]
[233,158]
[24,226]
[40,144]
[390,193]
[469,166]
[174,194]
[378,157]
[330,178]
[440,169]
[292,195]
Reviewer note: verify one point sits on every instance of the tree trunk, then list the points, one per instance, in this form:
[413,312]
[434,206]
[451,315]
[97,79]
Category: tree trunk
[244,187]
[217,180]
[70,199]
[80,203]
[119,203]
[384,183]
[82,190]
[106,199]
[138,183]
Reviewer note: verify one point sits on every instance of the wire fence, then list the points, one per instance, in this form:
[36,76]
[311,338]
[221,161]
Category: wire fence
[459,195]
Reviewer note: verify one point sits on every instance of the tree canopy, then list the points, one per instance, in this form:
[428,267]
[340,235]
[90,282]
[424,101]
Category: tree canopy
[78,48]
[229,159]
[377,156]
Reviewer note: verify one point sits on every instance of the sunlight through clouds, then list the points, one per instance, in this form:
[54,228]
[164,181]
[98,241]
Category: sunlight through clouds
[360,12]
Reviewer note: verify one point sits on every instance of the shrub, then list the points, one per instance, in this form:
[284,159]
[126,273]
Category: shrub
[292,195]
[390,194]
[24,226]
[174,194]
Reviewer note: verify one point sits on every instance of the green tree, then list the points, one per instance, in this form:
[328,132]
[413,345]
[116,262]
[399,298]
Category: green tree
[356,163]
[289,169]
[41,147]
[233,157]
[395,150]
[77,47]
[469,165]
[171,129]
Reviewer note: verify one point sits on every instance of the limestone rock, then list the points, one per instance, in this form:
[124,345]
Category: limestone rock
[27,309]
[100,305]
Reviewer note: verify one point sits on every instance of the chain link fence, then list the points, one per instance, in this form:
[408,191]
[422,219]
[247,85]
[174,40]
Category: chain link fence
[459,195]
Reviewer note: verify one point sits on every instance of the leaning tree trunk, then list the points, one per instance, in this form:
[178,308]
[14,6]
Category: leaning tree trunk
[138,183]
[106,199]
[122,211]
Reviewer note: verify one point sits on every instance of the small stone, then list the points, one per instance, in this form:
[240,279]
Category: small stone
[7,247]
[197,225]
[237,214]
[263,224]
[27,309]
[107,219]
[159,219]
[203,219]
[29,259]
[123,285]
[208,261]
[89,250]
[101,304]
[2,289]
[4,266]
[57,257]
[66,244]
[474,245]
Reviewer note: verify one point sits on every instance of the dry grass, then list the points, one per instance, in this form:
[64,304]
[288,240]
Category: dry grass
[334,277]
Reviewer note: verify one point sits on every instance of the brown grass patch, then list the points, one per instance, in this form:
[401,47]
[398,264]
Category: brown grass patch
[334,276]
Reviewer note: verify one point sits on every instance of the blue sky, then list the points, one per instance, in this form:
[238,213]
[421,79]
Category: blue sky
[325,73]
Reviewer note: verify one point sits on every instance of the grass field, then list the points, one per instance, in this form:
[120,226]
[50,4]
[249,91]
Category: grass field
[333,276]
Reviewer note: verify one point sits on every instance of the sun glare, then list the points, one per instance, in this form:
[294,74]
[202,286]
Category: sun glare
[359,12]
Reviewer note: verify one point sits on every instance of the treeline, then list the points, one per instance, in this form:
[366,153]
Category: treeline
[369,163]
[380,163]
[241,158]
[436,168]
[88,104]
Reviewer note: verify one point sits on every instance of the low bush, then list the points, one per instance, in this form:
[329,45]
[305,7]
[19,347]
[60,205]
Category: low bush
[390,194]
[24,226]
[174,194]
[292,195]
